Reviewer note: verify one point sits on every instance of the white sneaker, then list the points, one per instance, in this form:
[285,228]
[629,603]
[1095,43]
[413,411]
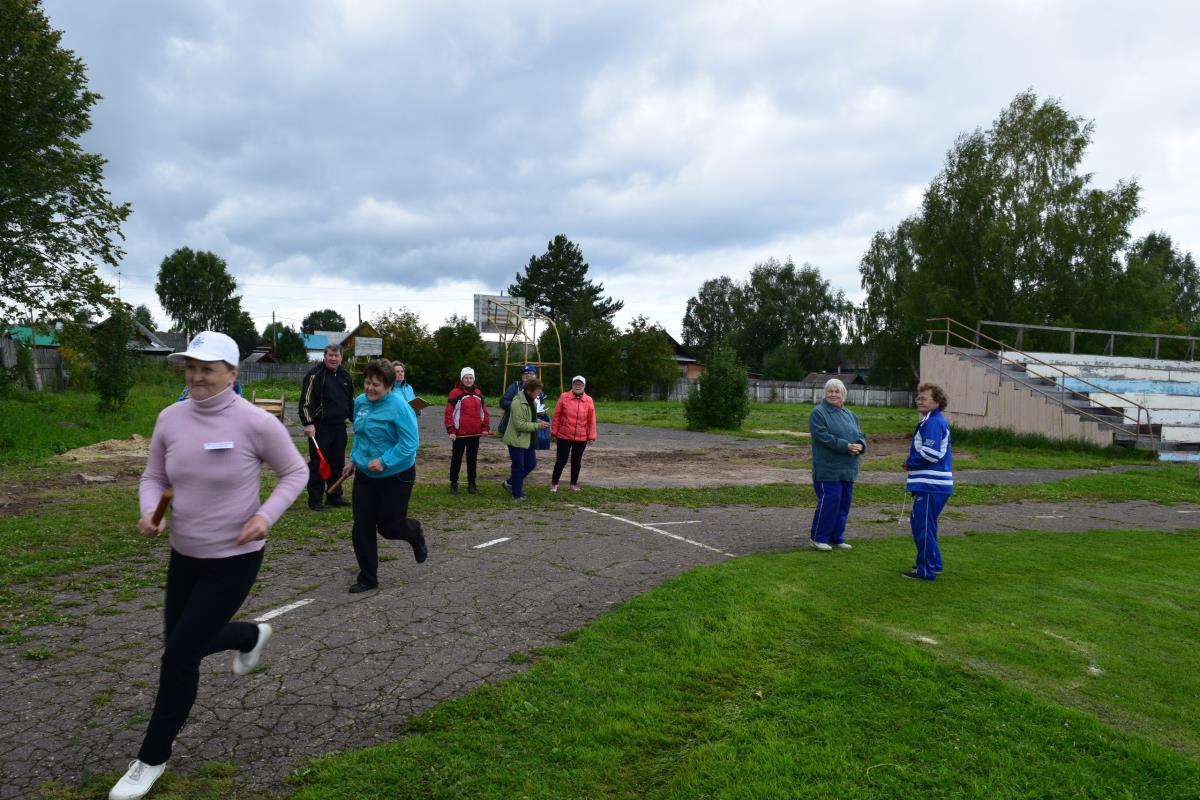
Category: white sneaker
[553,488]
[845,546]
[136,781]
[820,546]
[244,662]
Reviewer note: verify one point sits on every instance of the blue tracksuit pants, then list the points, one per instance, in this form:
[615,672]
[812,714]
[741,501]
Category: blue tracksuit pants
[524,459]
[833,507]
[925,510]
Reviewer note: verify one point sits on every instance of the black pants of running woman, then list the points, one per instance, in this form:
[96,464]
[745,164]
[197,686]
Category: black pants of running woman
[203,594]
[381,507]
[470,444]
[575,451]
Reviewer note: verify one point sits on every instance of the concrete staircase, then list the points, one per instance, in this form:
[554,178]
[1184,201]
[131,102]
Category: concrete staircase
[1012,390]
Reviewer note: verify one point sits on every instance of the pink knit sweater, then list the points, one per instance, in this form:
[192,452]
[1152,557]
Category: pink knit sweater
[211,453]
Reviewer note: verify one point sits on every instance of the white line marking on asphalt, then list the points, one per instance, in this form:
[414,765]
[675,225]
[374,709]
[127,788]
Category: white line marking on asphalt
[676,537]
[1049,516]
[492,542]
[283,610]
[683,522]
[1187,512]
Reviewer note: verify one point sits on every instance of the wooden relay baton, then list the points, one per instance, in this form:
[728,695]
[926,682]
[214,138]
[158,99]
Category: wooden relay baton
[161,510]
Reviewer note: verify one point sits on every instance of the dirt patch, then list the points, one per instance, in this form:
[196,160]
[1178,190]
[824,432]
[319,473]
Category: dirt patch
[116,461]
[654,459]
[135,447]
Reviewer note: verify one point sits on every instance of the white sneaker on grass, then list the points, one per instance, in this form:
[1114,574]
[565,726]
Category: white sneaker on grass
[820,546]
[136,781]
[244,662]
[845,546]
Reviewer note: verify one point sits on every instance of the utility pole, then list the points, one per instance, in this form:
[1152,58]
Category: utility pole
[274,334]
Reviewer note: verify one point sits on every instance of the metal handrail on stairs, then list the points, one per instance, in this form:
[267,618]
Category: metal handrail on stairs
[970,337]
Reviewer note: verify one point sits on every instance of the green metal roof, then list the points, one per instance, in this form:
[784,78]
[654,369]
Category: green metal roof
[38,338]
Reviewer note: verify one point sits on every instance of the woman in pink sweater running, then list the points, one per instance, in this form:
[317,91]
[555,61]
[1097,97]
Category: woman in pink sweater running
[210,451]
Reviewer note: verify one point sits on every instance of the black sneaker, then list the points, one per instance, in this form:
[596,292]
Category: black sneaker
[360,587]
[913,575]
[471,489]
[336,502]
[454,488]
[420,550]
[316,506]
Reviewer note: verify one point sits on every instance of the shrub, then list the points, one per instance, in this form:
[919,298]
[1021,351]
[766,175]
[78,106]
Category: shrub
[719,400]
[113,363]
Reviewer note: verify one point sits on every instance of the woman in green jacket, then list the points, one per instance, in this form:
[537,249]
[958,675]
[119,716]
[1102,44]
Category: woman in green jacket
[521,436]
[837,443]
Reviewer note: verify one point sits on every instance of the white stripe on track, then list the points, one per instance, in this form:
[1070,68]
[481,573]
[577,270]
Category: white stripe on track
[283,610]
[682,522]
[492,542]
[655,530]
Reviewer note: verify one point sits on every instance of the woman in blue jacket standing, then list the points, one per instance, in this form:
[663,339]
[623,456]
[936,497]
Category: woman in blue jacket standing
[837,443]
[384,461]
[930,479]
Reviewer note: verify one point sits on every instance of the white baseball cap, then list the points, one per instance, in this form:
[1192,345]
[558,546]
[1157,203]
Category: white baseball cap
[207,346]
[465,372]
[579,378]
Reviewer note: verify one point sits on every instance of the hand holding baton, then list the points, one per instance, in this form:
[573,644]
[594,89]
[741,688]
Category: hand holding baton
[151,525]
[338,482]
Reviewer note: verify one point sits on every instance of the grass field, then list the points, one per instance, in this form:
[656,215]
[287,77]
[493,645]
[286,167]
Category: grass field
[794,676]
[1041,666]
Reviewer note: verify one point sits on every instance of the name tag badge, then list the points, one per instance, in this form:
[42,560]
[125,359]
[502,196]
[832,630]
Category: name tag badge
[218,445]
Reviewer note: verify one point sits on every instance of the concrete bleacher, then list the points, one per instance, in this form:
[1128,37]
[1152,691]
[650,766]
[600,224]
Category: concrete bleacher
[1168,389]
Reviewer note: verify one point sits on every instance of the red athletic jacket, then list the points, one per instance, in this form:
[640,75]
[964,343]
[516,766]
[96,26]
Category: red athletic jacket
[466,412]
[574,418]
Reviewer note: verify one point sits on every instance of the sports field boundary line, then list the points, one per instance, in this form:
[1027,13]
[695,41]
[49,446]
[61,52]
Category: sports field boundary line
[653,529]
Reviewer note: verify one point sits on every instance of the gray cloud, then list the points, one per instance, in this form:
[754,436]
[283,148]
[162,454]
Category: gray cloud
[419,146]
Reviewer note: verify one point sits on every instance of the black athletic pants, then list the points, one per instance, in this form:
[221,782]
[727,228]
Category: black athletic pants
[471,445]
[381,507]
[203,594]
[331,436]
[575,450]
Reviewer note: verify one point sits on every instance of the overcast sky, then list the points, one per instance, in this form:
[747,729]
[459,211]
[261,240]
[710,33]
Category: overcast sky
[411,154]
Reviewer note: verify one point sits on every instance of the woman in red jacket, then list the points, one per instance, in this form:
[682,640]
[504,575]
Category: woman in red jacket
[574,426]
[466,421]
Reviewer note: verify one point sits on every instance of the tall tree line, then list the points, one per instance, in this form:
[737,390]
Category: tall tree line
[783,322]
[1012,230]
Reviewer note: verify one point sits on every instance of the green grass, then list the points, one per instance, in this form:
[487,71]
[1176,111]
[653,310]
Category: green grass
[746,681]
[39,425]
[876,420]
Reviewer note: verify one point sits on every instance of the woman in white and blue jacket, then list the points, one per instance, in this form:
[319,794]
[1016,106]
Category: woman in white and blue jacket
[930,479]
[837,444]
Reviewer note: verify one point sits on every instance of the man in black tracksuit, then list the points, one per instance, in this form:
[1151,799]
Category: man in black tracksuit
[326,403]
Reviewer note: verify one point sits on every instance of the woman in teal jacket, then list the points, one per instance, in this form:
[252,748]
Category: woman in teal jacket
[521,435]
[384,461]
[837,443]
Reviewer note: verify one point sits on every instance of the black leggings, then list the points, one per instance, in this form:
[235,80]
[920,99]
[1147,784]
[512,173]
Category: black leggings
[381,507]
[575,449]
[471,445]
[203,594]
